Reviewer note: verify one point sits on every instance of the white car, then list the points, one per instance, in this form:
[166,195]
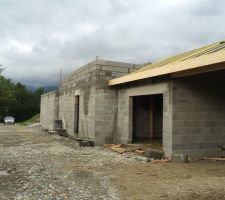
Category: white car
[9,120]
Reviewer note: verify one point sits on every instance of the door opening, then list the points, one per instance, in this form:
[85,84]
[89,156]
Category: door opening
[148,118]
[76,114]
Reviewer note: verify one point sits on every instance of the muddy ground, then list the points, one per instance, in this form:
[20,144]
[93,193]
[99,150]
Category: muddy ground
[35,165]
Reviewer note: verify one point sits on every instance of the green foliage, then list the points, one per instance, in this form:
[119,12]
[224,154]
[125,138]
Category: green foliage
[17,101]
[34,119]
[1,69]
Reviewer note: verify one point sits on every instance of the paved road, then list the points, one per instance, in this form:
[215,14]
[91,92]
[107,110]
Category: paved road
[35,165]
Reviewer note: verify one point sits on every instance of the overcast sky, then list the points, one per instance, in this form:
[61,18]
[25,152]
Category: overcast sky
[38,37]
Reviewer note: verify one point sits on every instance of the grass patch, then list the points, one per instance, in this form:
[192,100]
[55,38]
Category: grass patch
[32,120]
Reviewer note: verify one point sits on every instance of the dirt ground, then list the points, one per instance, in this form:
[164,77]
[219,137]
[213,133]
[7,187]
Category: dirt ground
[35,165]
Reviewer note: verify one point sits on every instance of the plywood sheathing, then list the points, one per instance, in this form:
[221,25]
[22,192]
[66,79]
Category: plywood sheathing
[201,60]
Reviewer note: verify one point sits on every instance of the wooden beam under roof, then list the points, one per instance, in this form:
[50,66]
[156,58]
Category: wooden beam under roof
[196,65]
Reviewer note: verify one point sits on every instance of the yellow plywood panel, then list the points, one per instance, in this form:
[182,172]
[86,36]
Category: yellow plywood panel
[194,63]
[183,56]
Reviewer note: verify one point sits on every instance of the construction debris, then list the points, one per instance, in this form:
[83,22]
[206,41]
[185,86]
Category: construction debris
[51,132]
[181,158]
[112,145]
[214,158]
[155,154]
[146,154]
[84,142]
[141,152]
[58,131]
[120,148]
[162,160]
[115,147]
[61,132]
[133,148]
[142,159]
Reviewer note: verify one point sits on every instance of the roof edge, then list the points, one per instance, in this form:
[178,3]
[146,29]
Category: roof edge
[204,60]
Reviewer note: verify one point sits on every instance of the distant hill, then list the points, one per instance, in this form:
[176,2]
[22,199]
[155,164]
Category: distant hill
[30,88]
[50,88]
[47,88]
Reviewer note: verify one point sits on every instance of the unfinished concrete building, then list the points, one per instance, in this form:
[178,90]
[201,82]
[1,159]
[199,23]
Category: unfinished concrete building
[85,103]
[177,102]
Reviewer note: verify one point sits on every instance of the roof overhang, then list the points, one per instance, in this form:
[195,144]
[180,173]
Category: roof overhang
[205,63]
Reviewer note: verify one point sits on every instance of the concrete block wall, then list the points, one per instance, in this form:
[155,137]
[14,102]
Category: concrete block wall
[49,109]
[124,128]
[66,110]
[199,114]
[124,117]
[105,115]
[106,99]
[98,72]
[87,114]
[98,102]
[86,111]
[80,83]
[81,77]
[167,119]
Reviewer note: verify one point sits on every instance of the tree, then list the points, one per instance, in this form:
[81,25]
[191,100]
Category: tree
[1,68]
[37,98]
[17,101]
[7,96]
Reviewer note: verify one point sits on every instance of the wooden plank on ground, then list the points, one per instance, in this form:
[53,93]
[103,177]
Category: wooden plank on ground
[140,151]
[161,161]
[121,149]
[132,148]
[112,145]
[117,149]
[214,158]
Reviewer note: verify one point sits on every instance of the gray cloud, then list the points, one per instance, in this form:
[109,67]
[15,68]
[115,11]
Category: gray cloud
[40,37]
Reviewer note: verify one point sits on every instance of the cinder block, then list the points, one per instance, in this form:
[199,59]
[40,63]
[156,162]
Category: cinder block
[155,154]
[115,69]
[180,158]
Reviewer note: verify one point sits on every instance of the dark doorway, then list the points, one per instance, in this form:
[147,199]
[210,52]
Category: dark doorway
[76,114]
[147,118]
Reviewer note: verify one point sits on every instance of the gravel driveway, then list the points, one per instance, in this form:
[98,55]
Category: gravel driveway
[35,165]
